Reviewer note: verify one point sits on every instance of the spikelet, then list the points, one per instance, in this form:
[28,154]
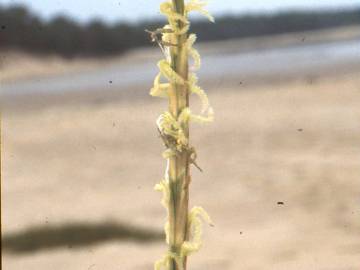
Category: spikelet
[181,31]
[186,115]
[164,263]
[159,89]
[167,124]
[163,187]
[167,9]
[167,232]
[199,6]
[169,73]
[195,89]
[203,119]
[171,127]
[188,247]
[193,52]
[195,227]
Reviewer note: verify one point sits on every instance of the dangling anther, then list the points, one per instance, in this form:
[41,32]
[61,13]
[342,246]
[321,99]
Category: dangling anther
[192,157]
[154,36]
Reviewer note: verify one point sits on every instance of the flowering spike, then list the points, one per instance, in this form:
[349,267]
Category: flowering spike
[183,229]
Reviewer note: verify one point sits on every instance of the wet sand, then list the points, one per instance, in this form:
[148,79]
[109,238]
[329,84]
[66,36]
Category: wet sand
[281,176]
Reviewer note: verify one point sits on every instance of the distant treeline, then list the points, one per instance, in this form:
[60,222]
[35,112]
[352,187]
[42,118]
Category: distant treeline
[21,29]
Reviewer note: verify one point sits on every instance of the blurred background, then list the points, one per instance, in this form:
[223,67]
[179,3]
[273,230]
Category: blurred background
[81,153]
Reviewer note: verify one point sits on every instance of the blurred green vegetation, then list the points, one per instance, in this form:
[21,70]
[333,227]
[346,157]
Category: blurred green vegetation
[24,30]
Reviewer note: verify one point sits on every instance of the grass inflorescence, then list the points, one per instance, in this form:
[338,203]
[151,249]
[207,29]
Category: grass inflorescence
[183,227]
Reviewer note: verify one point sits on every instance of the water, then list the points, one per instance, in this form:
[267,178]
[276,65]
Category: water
[284,60]
[304,59]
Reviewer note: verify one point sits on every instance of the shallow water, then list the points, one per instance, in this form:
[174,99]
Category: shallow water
[295,60]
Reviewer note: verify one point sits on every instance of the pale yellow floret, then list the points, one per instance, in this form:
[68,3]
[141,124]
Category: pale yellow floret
[168,125]
[187,116]
[208,118]
[163,187]
[169,73]
[195,89]
[181,31]
[195,229]
[193,52]
[164,263]
[199,6]
[171,127]
[159,89]
[184,116]
[167,9]
[167,231]
[188,247]
[202,95]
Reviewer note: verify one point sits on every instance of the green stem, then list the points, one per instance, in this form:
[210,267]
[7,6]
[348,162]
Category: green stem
[179,173]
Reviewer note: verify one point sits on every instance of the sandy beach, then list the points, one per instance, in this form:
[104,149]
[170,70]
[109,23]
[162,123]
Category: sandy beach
[281,177]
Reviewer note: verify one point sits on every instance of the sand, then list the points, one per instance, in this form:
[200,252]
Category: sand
[281,178]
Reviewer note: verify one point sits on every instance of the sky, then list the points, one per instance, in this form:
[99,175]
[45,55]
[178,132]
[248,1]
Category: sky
[133,10]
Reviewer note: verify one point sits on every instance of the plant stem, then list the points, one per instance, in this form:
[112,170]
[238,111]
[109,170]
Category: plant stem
[179,173]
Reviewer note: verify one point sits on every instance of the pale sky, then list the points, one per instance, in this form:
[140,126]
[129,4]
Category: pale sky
[113,10]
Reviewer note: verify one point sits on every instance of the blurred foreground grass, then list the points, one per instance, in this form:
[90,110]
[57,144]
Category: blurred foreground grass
[75,235]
